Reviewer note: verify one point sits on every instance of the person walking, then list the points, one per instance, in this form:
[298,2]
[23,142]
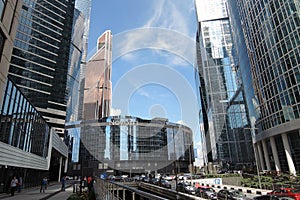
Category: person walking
[13,185]
[89,180]
[44,183]
[63,183]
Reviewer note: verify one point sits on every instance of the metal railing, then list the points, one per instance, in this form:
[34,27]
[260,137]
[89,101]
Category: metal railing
[110,190]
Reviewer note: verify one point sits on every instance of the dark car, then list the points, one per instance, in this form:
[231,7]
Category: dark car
[186,187]
[146,179]
[231,195]
[165,184]
[206,192]
[154,181]
[272,197]
[291,192]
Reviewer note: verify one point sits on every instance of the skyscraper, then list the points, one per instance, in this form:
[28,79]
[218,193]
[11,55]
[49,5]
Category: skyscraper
[271,30]
[39,64]
[85,7]
[75,65]
[223,111]
[98,88]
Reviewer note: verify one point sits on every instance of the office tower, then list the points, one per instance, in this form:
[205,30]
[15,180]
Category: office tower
[98,89]
[84,6]
[39,64]
[77,73]
[271,30]
[223,112]
[75,65]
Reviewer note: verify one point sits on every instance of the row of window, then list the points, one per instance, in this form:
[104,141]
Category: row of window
[21,125]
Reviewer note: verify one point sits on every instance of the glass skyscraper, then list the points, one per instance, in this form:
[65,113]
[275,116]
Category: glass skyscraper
[98,87]
[39,65]
[223,111]
[271,31]
[75,65]
[85,7]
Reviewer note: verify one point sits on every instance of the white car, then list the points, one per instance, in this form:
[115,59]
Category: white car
[168,178]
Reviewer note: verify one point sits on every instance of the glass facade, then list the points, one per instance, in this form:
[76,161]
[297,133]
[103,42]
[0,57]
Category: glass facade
[98,86]
[272,36]
[40,60]
[273,33]
[223,112]
[85,7]
[132,145]
[74,75]
[22,126]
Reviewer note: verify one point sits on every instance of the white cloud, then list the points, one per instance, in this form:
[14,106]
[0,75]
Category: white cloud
[155,39]
[170,14]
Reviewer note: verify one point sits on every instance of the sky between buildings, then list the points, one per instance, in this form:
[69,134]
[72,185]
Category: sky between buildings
[153,57]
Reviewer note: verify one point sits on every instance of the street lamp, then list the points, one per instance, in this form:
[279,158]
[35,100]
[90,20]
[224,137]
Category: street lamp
[252,129]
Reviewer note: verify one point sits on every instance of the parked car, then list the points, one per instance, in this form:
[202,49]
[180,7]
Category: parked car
[164,183]
[272,197]
[206,192]
[231,195]
[290,192]
[186,187]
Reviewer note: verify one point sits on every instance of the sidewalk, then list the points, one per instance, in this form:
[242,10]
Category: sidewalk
[52,192]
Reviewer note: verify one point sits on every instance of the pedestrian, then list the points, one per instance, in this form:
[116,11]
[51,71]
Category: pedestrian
[44,183]
[89,180]
[20,184]
[84,183]
[63,183]
[13,184]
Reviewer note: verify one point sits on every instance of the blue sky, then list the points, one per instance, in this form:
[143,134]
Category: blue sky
[153,57]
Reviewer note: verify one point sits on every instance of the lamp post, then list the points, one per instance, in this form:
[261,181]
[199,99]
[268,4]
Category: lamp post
[252,129]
